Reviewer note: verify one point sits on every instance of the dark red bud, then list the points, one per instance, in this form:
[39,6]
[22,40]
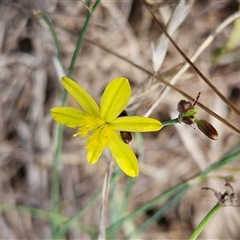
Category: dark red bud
[126,137]
[124,113]
[183,106]
[207,129]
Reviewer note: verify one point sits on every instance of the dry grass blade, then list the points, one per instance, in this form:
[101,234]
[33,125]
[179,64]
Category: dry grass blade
[206,43]
[159,51]
[105,190]
[200,50]
[157,5]
[204,78]
[167,84]
[30,86]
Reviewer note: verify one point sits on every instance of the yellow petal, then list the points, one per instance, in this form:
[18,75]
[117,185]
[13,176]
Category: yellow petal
[136,124]
[81,96]
[97,142]
[71,117]
[94,154]
[123,155]
[115,98]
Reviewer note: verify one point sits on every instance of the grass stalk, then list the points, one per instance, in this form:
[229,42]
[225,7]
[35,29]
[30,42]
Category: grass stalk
[175,193]
[55,188]
[200,74]
[105,191]
[204,222]
[57,154]
[166,83]
[45,215]
[74,219]
[54,35]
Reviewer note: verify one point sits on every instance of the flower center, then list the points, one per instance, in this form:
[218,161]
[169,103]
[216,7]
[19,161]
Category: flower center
[90,125]
[100,136]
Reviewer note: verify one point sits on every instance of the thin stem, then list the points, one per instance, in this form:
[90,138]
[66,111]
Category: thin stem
[51,28]
[105,190]
[79,44]
[57,155]
[55,188]
[170,122]
[80,39]
[56,170]
[204,222]
[75,54]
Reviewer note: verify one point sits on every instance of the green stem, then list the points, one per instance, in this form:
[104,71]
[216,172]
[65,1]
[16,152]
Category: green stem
[79,44]
[56,171]
[204,222]
[81,37]
[76,52]
[59,53]
[57,155]
[170,122]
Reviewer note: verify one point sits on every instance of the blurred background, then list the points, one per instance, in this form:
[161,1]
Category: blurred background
[30,86]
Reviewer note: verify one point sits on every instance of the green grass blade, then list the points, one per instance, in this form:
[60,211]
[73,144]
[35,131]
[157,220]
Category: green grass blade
[232,155]
[170,192]
[69,223]
[176,192]
[160,213]
[49,216]
[56,42]
[57,156]
[81,37]
[74,219]
[204,222]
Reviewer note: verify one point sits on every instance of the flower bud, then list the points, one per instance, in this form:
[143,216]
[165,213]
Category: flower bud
[187,112]
[126,136]
[207,129]
[124,113]
[183,106]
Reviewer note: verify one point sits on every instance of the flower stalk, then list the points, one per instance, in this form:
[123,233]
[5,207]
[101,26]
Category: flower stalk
[56,164]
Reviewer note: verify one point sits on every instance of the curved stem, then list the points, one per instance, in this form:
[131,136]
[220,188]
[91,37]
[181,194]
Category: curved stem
[51,28]
[204,222]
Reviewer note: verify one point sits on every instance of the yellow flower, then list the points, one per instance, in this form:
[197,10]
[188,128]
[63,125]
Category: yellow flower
[101,124]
